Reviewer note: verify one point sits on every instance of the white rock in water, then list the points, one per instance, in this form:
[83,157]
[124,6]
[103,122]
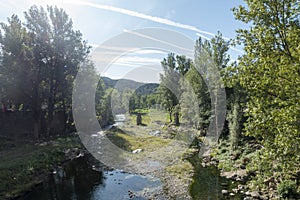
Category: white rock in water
[137,151]
[224,191]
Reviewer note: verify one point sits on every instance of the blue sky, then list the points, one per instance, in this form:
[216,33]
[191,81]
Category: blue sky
[101,20]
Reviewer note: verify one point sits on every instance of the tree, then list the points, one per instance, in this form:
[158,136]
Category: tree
[199,88]
[174,70]
[15,63]
[219,51]
[58,50]
[169,81]
[269,71]
[211,58]
[116,102]
[126,95]
[39,61]
[189,104]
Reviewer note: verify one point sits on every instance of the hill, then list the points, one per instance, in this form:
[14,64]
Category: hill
[121,84]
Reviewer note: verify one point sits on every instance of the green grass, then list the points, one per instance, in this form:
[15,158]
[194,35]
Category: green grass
[131,142]
[182,170]
[25,165]
[151,116]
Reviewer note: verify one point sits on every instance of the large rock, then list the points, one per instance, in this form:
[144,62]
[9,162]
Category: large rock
[228,175]
[239,175]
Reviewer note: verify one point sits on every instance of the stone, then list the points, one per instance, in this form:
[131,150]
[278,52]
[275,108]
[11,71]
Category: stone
[235,190]
[254,194]
[224,184]
[155,133]
[224,191]
[243,166]
[137,151]
[240,187]
[229,175]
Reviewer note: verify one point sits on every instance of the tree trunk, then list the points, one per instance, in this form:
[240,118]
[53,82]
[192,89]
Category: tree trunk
[36,105]
[37,122]
[36,130]
[170,115]
[50,103]
[176,118]
[65,116]
[138,119]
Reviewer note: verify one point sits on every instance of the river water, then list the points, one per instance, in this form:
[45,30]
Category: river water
[208,184]
[81,179]
[85,179]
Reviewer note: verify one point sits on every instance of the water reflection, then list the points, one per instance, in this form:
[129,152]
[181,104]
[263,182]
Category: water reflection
[74,181]
[208,184]
[82,180]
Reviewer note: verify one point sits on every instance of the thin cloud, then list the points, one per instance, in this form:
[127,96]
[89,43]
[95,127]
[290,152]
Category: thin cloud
[136,61]
[144,16]
[161,41]
[160,20]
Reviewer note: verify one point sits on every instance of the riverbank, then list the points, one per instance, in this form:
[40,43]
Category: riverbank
[240,165]
[25,164]
[166,147]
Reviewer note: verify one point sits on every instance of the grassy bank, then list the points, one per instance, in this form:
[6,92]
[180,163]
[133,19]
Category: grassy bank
[25,164]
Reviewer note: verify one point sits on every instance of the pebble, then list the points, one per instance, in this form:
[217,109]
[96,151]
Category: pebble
[235,190]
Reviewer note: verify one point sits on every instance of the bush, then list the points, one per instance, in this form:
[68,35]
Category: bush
[287,188]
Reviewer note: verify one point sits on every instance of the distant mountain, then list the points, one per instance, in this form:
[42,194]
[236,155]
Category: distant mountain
[148,88]
[121,84]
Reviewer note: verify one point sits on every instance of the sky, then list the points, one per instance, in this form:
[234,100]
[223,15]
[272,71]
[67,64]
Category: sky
[102,20]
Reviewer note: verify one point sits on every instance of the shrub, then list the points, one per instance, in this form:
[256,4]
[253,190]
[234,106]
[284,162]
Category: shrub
[287,188]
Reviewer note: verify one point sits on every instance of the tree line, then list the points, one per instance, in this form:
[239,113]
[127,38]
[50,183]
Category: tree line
[262,89]
[39,60]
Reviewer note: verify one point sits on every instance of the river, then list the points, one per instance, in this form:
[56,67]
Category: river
[85,178]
